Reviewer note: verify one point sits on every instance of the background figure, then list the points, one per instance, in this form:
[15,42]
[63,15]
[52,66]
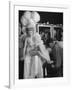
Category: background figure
[57,57]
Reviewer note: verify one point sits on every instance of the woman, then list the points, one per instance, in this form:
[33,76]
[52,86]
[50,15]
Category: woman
[34,51]
[34,54]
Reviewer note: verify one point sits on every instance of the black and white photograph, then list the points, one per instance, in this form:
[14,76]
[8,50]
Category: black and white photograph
[40,38]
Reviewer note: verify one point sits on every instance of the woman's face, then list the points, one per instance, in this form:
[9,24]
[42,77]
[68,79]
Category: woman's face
[30,31]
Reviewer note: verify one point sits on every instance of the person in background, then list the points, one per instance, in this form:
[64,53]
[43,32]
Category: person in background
[57,57]
[47,68]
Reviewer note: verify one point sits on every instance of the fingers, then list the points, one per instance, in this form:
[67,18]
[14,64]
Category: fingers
[50,62]
[33,53]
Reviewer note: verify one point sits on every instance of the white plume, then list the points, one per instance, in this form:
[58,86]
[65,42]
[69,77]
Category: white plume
[30,18]
[24,21]
[35,16]
[27,15]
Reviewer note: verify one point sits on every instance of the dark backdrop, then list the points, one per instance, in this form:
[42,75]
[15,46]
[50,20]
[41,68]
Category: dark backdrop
[52,17]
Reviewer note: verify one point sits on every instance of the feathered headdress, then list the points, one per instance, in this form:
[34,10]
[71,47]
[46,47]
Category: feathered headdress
[35,16]
[30,18]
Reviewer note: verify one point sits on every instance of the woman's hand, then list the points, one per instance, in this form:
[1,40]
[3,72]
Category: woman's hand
[50,62]
[33,53]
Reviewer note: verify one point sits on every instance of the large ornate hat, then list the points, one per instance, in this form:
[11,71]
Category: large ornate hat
[24,21]
[25,18]
[27,15]
[29,19]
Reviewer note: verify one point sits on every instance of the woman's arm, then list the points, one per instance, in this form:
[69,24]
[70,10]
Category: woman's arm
[24,50]
[44,54]
[44,58]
